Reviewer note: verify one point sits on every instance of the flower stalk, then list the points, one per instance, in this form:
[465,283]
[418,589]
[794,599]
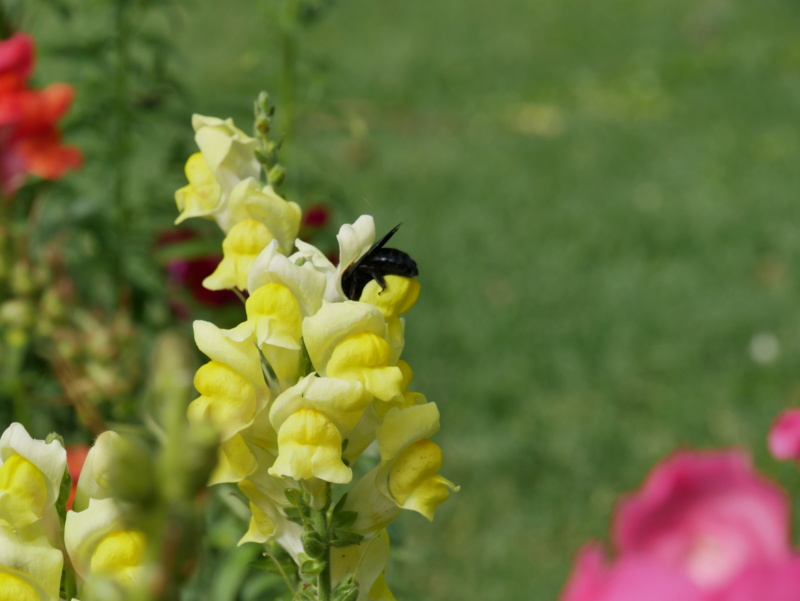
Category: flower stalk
[312,376]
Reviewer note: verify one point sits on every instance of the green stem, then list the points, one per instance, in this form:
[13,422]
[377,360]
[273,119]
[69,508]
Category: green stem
[290,24]
[16,387]
[322,526]
[121,119]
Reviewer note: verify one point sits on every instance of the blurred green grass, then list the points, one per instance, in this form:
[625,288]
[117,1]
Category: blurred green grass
[602,199]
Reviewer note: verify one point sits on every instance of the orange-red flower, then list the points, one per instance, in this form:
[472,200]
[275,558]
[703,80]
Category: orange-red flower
[30,143]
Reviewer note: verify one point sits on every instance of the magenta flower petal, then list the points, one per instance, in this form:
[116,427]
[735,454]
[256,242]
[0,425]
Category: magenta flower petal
[630,579]
[784,436]
[776,582]
[707,514]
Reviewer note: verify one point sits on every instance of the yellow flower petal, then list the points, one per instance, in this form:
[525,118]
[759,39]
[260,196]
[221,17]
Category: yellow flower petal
[250,200]
[235,461]
[16,589]
[340,401]
[29,565]
[23,492]
[227,399]
[401,427]
[364,357]
[398,297]
[261,527]
[413,481]
[118,554]
[240,248]
[276,316]
[203,195]
[335,322]
[310,446]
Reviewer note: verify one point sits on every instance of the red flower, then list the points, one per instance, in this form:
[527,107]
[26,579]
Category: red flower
[76,456]
[30,143]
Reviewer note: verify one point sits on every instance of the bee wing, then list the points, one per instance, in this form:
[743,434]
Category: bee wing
[379,244]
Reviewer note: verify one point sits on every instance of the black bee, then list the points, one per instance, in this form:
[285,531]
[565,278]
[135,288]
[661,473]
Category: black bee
[374,264]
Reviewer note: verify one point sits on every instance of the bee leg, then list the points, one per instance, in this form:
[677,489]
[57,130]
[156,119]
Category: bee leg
[378,277]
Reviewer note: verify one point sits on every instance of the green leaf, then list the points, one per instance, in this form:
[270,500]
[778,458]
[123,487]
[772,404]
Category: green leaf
[345,538]
[344,519]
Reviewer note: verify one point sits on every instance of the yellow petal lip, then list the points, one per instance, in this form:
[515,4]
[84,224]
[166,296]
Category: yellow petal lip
[413,481]
[16,589]
[118,554]
[203,195]
[310,446]
[227,399]
[241,246]
[276,315]
[23,492]
[400,294]
[49,458]
[341,401]
[364,357]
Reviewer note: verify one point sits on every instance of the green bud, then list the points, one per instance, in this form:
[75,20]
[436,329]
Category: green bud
[132,477]
[263,105]
[262,125]
[346,590]
[276,176]
[314,546]
[312,566]
[262,156]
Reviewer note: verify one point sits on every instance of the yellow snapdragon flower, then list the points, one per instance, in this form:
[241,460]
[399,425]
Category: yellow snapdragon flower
[227,399]
[30,477]
[310,447]
[241,246]
[30,570]
[349,338]
[203,195]
[99,543]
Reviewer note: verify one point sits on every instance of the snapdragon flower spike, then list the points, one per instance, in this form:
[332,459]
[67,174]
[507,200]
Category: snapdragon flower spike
[309,380]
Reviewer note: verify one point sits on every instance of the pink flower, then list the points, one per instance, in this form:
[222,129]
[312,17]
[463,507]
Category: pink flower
[708,515]
[784,436]
[776,582]
[703,527]
[632,578]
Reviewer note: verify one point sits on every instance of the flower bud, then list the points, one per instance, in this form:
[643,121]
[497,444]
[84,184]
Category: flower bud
[276,176]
